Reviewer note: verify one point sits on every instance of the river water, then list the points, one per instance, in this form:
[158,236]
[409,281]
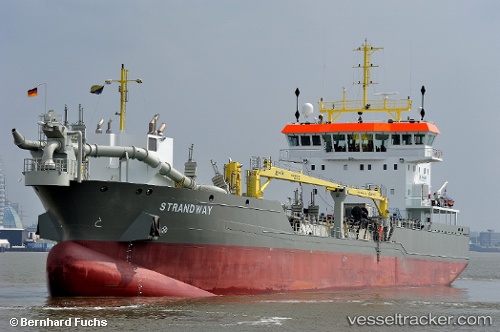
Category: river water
[472,303]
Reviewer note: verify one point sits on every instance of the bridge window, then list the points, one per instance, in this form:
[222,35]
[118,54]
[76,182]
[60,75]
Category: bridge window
[293,140]
[385,167]
[313,167]
[369,167]
[322,167]
[361,167]
[339,142]
[381,142]
[367,142]
[316,140]
[396,139]
[305,140]
[353,142]
[327,138]
[430,139]
[419,139]
[406,139]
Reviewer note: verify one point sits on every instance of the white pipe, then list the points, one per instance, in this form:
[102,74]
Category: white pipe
[48,153]
[79,154]
[94,150]
[25,144]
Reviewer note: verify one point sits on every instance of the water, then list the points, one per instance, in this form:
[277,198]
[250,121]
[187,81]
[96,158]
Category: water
[474,297]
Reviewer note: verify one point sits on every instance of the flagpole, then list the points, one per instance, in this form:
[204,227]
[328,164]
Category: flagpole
[45,94]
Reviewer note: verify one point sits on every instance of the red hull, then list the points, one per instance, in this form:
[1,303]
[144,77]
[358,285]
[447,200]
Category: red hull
[92,268]
[74,270]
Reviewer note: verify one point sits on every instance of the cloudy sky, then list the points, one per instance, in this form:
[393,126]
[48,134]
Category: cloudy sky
[222,75]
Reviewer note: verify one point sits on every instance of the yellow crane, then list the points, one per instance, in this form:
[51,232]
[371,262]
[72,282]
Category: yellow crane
[255,188]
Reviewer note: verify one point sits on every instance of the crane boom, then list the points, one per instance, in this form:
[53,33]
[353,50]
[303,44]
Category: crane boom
[256,189]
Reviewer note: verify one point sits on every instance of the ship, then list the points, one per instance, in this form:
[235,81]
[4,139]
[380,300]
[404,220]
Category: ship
[128,224]
[480,248]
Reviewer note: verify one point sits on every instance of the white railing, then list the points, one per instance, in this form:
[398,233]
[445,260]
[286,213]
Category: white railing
[412,153]
[59,164]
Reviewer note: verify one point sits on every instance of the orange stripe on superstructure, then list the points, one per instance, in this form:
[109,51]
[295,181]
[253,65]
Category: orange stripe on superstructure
[300,128]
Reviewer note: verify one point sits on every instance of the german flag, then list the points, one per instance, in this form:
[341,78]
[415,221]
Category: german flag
[33,92]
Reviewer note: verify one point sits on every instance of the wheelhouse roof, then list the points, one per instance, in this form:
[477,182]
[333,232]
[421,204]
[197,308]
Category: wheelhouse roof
[376,127]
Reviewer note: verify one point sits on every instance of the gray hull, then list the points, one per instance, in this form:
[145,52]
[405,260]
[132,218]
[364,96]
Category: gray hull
[112,211]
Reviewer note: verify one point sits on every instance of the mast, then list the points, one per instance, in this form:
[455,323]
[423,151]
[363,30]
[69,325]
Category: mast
[123,94]
[394,108]
[368,50]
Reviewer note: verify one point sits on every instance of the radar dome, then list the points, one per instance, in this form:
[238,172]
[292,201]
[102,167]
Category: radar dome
[307,109]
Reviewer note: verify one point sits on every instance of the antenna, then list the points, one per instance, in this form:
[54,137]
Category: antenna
[422,112]
[297,114]
[65,115]
[80,114]
[190,157]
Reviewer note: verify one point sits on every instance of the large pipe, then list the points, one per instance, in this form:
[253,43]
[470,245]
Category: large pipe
[48,153]
[25,144]
[79,154]
[94,150]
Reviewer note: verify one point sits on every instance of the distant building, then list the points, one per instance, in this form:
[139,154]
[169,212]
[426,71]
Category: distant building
[15,236]
[9,212]
[4,244]
[2,193]
[31,236]
[12,231]
[489,239]
[11,218]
